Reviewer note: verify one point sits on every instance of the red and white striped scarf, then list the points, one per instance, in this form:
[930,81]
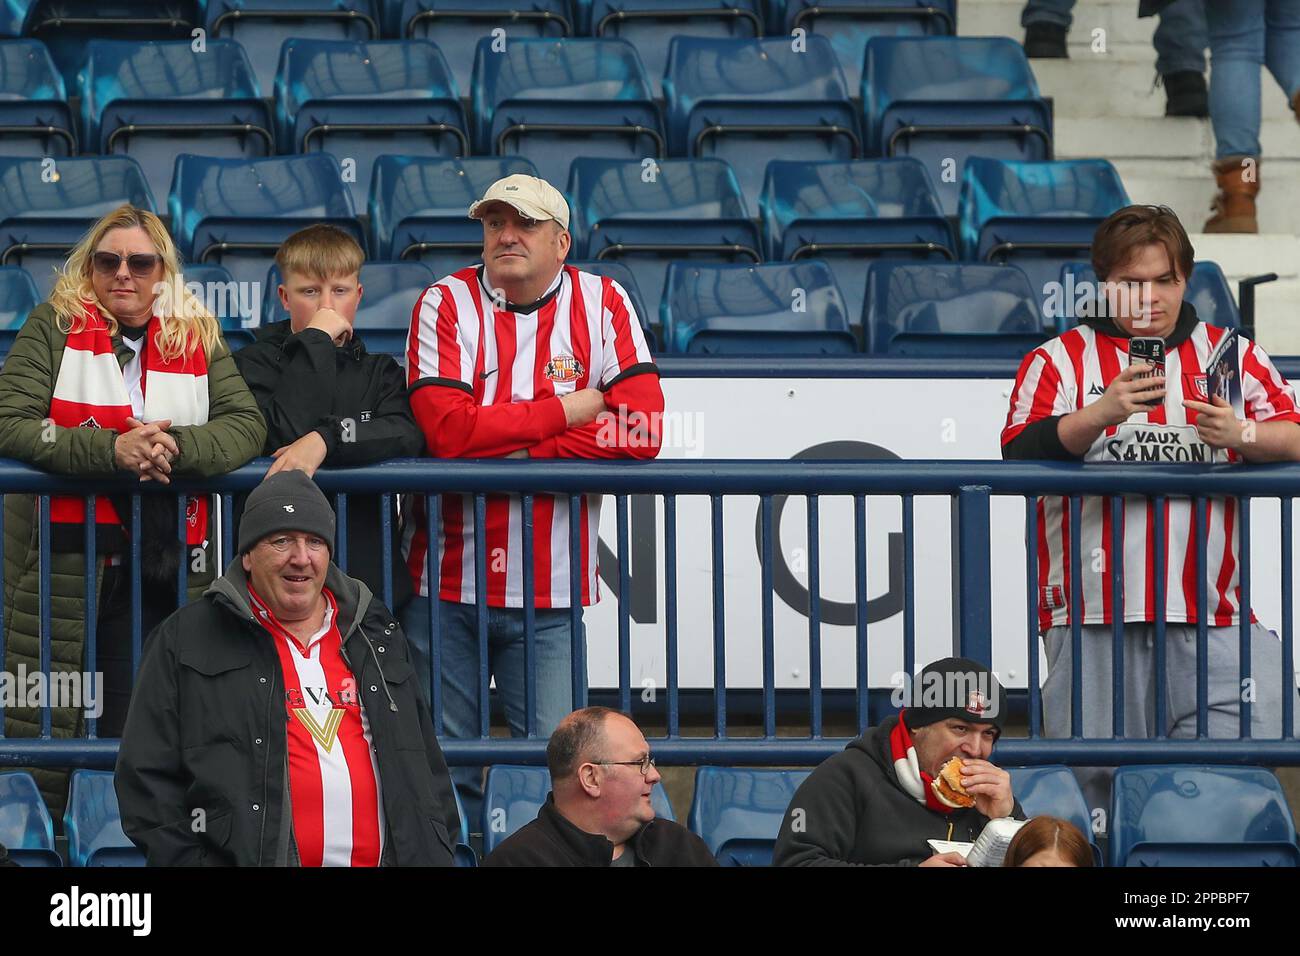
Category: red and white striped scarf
[914,781]
[90,392]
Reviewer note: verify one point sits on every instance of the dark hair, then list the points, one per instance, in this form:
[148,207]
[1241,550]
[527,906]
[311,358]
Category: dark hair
[574,740]
[1125,230]
[1049,833]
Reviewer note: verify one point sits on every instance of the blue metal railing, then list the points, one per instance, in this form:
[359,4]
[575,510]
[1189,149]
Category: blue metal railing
[970,485]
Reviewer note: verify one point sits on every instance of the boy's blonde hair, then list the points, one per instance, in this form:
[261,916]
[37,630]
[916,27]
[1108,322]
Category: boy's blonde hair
[321,252]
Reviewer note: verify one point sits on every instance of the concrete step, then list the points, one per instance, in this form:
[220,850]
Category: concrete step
[1277,304]
[1188,187]
[1171,138]
[1118,18]
[1251,255]
[1277,329]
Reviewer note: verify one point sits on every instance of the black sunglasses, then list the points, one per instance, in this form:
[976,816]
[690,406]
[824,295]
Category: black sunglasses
[141,263]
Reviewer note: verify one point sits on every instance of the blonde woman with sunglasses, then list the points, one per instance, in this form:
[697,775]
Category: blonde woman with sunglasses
[113,375]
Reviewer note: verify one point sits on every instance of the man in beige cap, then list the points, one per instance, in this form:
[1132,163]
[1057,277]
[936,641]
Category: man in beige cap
[519,356]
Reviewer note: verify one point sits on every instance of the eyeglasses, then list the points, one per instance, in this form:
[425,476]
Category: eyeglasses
[283,542]
[644,764]
[141,264]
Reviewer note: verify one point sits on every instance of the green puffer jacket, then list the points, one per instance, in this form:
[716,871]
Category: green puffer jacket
[233,435]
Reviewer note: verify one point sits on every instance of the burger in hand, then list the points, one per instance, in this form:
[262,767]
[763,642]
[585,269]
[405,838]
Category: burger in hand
[947,786]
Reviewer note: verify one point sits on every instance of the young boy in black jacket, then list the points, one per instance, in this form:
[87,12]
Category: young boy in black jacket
[325,399]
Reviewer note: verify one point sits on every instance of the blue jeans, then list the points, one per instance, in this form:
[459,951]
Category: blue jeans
[1180,37]
[1244,35]
[459,671]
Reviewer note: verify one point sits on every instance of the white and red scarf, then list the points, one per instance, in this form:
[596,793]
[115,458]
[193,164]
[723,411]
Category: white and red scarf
[914,781]
[91,392]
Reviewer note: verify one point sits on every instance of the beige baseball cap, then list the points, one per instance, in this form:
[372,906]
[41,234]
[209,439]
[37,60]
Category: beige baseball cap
[533,197]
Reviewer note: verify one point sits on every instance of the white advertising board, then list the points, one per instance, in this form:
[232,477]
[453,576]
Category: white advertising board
[783,418]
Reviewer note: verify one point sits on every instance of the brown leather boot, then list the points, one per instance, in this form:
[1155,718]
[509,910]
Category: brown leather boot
[1234,207]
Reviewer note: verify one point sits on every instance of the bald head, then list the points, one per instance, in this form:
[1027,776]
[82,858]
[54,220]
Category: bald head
[579,738]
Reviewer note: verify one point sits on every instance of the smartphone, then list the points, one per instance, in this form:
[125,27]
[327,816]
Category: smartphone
[1148,350]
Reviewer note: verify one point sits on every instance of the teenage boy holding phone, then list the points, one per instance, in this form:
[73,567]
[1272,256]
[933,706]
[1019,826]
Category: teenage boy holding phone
[1081,397]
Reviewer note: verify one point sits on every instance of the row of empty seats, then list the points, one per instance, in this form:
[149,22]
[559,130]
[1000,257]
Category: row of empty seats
[939,99]
[458,25]
[1160,815]
[933,310]
[644,213]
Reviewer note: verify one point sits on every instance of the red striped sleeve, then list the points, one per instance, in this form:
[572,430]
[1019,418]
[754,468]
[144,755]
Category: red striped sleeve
[624,342]
[1266,394]
[1034,396]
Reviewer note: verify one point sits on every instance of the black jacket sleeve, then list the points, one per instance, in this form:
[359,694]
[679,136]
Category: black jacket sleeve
[819,828]
[391,431]
[294,384]
[1039,440]
[442,785]
[148,779]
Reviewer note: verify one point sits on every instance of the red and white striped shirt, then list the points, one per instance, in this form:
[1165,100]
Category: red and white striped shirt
[338,810]
[1072,371]
[507,370]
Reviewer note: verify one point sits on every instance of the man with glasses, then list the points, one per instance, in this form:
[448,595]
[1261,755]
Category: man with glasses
[599,811]
[276,722]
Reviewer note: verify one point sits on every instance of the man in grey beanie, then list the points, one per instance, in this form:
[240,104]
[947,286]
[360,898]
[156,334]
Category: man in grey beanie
[276,721]
[874,803]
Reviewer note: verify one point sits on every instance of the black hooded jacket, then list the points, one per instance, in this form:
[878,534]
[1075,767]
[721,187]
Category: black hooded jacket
[851,811]
[551,840]
[202,772]
[357,403]
[1040,439]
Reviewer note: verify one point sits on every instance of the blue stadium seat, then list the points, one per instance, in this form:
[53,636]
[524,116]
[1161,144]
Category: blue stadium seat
[1053,792]
[851,213]
[948,310]
[26,829]
[1200,816]
[784,308]
[13,15]
[457,26]
[34,117]
[419,207]
[463,853]
[943,99]
[737,811]
[363,100]
[222,295]
[93,825]
[550,100]
[648,215]
[747,100]
[67,25]
[849,24]
[262,26]
[621,274]
[18,296]
[513,795]
[151,101]
[389,293]
[237,212]
[47,205]
[1208,291]
[1035,215]
[651,24]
